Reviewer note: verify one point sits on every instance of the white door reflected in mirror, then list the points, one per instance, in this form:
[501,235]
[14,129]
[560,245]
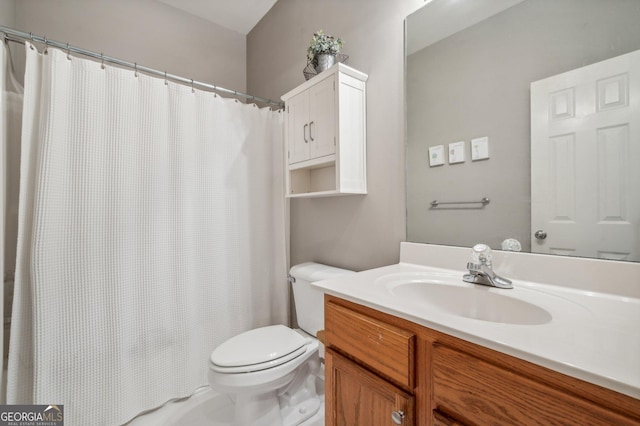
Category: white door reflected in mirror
[585,147]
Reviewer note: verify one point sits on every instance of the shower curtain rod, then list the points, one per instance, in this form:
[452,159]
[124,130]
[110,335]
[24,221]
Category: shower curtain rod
[21,36]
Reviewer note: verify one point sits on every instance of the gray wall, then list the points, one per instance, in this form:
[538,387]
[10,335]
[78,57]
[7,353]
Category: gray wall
[143,31]
[8,12]
[355,232]
[476,83]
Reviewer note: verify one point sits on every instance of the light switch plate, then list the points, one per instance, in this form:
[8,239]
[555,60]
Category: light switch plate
[456,152]
[436,155]
[479,148]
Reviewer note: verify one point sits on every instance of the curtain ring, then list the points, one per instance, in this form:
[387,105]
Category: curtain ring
[31,37]
[166,83]
[46,46]
[102,61]
[68,52]
[192,89]
[135,69]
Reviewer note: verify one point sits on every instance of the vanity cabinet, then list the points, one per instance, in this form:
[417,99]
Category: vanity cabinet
[442,380]
[377,379]
[325,135]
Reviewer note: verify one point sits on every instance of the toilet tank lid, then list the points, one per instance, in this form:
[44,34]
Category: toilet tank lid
[312,271]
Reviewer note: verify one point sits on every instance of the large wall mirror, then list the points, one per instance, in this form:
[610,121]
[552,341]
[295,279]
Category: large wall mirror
[533,106]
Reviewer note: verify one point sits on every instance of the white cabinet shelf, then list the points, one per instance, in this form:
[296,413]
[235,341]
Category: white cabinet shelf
[325,135]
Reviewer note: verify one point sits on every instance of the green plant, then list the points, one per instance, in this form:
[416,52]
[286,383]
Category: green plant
[323,43]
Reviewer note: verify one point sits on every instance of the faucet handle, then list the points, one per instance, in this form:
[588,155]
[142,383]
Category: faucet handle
[481,254]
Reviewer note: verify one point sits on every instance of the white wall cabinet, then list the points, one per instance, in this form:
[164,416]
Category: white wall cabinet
[325,135]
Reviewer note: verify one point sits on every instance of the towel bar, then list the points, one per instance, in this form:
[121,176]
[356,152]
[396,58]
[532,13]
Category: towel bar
[484,202]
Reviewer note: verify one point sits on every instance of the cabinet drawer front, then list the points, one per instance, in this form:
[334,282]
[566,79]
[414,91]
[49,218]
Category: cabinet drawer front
[474,391]
[386,349]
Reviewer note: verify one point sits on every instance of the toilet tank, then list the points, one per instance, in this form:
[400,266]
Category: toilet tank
[309,302]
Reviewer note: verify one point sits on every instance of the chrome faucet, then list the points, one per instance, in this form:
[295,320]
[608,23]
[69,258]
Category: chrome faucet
[481,269]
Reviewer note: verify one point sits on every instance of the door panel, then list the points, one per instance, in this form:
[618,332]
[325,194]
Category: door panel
[322,119]
[298,128]
[585,143]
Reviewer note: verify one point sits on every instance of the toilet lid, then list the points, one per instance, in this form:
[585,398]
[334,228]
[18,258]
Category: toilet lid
[257,346]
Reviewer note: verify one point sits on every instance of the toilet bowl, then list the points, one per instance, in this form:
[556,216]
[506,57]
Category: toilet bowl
[271,372]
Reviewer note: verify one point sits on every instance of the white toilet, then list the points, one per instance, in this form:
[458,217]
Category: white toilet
[271,371]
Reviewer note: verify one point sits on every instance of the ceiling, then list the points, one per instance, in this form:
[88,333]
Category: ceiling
[237,15]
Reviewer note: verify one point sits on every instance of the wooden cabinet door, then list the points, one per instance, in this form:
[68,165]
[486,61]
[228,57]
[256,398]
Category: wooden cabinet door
[297,128]
[356,397]
[322,118]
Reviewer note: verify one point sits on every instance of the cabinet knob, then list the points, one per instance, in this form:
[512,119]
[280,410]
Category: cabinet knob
[397,417]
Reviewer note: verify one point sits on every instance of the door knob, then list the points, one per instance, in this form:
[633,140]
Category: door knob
[540,234]
[397,416]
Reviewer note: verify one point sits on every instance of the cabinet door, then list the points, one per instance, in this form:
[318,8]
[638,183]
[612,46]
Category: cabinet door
[322,118]
[298,128]
[355,396]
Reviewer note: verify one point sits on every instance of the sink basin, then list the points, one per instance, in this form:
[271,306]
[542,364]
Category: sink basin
[479,303]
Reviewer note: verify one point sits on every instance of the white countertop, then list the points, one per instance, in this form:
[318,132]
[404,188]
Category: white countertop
[593,336]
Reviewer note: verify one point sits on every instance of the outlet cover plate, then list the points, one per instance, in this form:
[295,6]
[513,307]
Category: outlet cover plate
[456,152]
[479,148]
[436,155]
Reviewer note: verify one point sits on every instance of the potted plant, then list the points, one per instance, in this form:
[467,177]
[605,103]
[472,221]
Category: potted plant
[322,50]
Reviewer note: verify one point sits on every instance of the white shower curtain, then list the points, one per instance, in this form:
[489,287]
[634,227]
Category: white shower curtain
[151,230]
[10,125]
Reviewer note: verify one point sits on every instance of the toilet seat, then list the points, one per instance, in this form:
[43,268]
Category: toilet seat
[258,349]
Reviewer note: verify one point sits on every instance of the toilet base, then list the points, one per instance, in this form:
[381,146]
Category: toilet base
[269,410]
[257,410]
[291,405]
[300,401]
[302,412]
